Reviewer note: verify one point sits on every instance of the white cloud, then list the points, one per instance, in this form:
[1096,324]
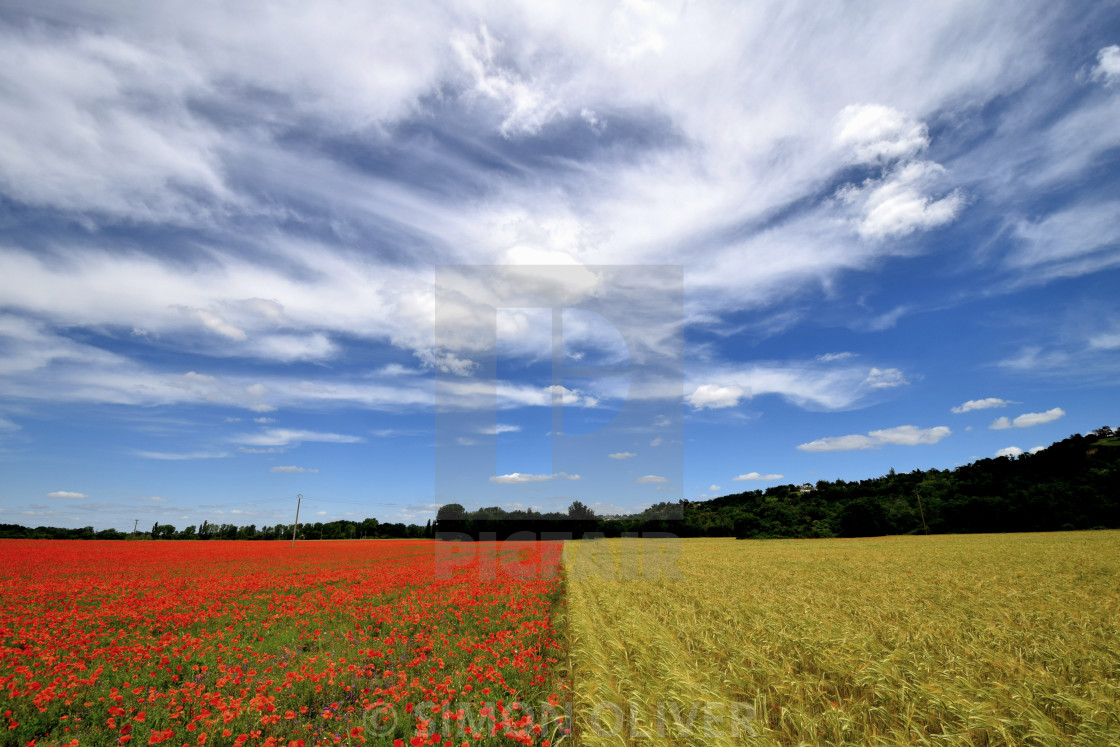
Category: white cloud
[871,133]
[180,456]
[622,455]
[656,442]
[981,404]
[1028,419]
[7,425]
[447,362]
[1108,64]
[494,430]
[156,499]
[757,476]
[841,443]
[516,478]
[901,202]
[290,437]
[651,479]
[264,421]
[215,323]
[911,435]
[1105,341]
[1036,449]
[905,435]
[292,469]
[1010,451]
[526,106]
[137,114]
[1032,358]
[713,396]
[66,494]
[714,487]
[1067,242]
[830,357]
[886,378]
[814,385]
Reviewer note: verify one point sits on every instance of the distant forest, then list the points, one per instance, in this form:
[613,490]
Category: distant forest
[1073,484]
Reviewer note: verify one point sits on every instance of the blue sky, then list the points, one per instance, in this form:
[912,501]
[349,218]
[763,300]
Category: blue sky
[782,243]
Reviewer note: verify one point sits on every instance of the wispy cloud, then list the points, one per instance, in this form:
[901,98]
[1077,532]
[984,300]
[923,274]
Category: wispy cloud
[622,455]
[292,469]
[651,480]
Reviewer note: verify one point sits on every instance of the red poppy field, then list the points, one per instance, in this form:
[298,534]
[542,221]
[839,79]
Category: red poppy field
[253,643]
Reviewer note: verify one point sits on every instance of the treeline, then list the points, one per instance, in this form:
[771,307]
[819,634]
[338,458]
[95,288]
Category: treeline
[1073,484]
[342,529]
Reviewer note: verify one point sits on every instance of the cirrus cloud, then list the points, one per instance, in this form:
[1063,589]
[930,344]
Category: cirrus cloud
[66,494]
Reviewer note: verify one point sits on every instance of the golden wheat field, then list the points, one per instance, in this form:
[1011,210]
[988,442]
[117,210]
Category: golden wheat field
[940,640]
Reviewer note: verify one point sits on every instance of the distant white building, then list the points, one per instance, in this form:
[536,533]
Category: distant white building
[806,488]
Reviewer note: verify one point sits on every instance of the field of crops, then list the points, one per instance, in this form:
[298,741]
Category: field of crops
[257,643]
[941,640]
[952,640]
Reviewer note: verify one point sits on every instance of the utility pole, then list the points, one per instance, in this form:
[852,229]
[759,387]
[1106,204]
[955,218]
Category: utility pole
[918,495]
[295,527]
[134,526]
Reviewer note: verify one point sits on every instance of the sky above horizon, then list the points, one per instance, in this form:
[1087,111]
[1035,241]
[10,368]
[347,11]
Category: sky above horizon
[709,247]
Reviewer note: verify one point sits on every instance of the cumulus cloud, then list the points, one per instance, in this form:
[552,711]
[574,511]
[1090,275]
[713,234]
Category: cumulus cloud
[292,469]
[757,476]
[1010,451]
[66,494]
[622,455]
[871,132]
[1036,449]
[904,435]
[651,479]
[516,478]
[981,404]
[713,396]
[1028,419]
[902,202]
